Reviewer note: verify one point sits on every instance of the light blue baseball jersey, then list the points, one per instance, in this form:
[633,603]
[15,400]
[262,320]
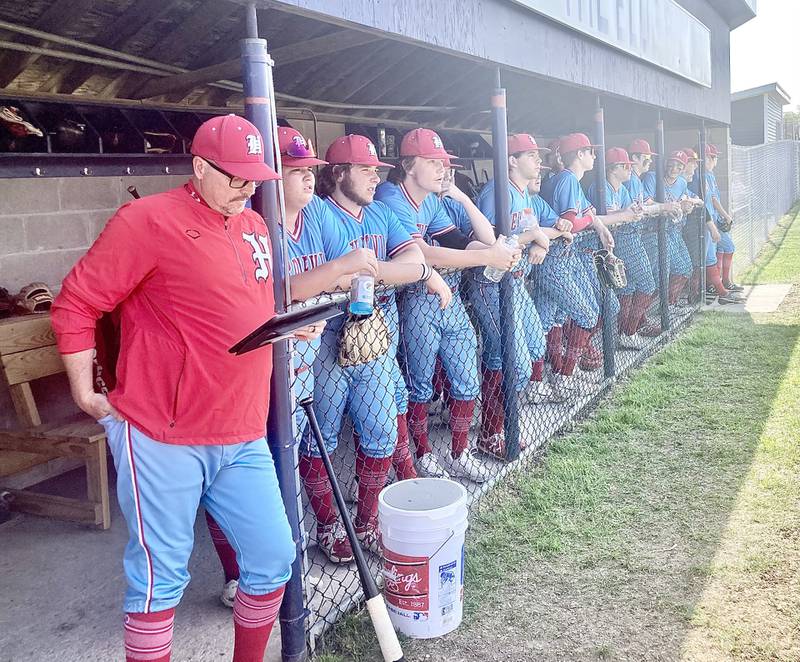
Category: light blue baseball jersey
[311,244]
[565,196]
[426,220]
[712,191]
[615,200]
[673,192]
[636,189]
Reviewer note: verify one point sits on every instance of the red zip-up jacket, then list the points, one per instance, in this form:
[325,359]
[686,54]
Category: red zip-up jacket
[189,283]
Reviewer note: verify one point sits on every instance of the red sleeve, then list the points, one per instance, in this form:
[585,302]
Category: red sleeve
[118,261]
[578,222]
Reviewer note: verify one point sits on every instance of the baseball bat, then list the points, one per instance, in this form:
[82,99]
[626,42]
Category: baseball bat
[132,190]
[384,630]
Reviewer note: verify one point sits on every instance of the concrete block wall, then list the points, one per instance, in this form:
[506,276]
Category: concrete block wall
[46,225]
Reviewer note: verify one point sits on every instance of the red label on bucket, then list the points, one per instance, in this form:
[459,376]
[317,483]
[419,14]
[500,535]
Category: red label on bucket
[406,580]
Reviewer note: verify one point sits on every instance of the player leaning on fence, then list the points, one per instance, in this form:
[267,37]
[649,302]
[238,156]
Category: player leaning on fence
[191,272]
[412,192]
[370,392]
[623,214]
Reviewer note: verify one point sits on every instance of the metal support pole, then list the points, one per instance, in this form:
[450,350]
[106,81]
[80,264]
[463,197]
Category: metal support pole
[503,216]
[609,356]
[701,145]
[259,103]
[663,262]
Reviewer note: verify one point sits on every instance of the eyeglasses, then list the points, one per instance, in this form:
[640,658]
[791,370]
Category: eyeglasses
[233,180]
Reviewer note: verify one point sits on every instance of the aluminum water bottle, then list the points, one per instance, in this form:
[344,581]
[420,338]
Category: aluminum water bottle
[362,295]
[494,274]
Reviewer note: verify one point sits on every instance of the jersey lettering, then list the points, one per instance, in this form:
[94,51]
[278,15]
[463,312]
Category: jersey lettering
[261,254]
[375,242]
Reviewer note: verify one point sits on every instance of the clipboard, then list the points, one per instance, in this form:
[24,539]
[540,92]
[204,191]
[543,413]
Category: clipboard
[284,325]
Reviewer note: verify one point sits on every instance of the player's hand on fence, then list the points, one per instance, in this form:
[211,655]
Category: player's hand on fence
[310,332]
[437,286]
[563,225]
[360,260]
[606,238]
[568,237]
[671,208]
[536,254]
[636,212]
[543,240]
[97,406]
[686,206]
[500,256]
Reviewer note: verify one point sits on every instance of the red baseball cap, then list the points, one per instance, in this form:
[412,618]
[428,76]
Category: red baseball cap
[641,146]
[523,142]
[354,149]
[449,164]
[680,156]
[575,141]
[616,156]
[691,155]
[425,143]
[235,145]
[296,152]
[712,149]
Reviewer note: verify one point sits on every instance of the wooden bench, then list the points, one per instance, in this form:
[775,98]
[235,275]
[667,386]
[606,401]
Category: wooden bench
[28,352]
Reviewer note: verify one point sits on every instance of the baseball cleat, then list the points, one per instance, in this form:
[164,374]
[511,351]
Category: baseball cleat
[635,341]
[369,538]
[494,445]
[229,593]
[729,298]
[733,287]
[428,467]
[651,330]
[538,393]
[592,359]
[468,466]
[332,540]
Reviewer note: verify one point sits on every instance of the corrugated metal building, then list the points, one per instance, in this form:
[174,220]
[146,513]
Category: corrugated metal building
[757,115]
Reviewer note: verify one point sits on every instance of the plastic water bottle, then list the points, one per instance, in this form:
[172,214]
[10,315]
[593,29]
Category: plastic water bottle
[494,274]
[362,295]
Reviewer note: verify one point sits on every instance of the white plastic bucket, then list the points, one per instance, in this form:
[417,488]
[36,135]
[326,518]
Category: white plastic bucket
[422,524]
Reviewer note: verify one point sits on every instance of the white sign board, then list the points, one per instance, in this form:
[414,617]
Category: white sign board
[658,31]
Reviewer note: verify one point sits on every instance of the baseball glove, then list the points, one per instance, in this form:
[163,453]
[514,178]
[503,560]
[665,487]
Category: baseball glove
[33,298]
[363,339]
[610,269]
[724,224]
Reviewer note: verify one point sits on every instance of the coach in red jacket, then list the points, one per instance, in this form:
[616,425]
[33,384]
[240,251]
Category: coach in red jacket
[191,273]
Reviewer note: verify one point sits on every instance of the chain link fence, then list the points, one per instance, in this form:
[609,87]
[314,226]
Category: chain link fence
[446,379]
[764,184]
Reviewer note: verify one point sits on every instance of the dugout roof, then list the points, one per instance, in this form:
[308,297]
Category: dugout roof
[147,53]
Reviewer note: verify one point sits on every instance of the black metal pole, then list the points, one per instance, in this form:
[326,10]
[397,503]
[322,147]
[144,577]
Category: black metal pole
[503,216]
[609,356]
[259,105]
[701,169]
[663,263]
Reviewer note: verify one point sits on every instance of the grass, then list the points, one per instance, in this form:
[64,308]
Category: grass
[666,526]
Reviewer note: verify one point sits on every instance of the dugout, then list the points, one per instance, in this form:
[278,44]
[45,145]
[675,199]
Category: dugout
[113,90]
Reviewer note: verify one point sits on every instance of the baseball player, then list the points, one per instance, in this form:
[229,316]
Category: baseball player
[412,192]
[191,272]
[367,392]
[524,165]
[679,261]
[719,245]
[319,261]
[635,319]
[624,214]
[583,305]
[690,231]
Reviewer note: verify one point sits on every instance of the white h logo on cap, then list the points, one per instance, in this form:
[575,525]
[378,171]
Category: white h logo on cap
[253,144]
